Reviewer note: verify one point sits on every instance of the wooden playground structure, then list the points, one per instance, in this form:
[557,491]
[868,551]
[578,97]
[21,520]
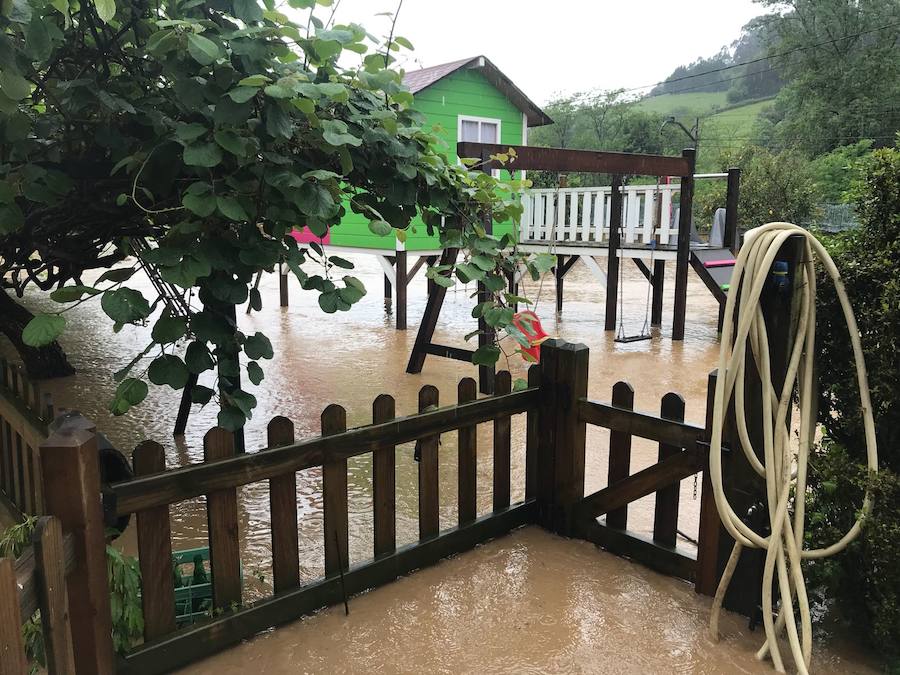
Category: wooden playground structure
[583,224]
[70,547]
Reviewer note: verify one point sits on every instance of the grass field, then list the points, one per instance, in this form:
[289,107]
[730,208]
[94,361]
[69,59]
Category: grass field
[721,127]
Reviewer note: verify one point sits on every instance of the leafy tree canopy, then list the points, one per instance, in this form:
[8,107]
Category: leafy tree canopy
[188,138]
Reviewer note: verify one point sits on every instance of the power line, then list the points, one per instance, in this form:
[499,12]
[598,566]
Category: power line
[762,58]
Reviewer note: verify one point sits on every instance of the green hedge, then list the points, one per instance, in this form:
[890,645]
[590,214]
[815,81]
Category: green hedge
[864,581]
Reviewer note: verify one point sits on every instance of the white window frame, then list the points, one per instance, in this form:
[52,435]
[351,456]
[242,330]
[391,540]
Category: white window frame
[489,120]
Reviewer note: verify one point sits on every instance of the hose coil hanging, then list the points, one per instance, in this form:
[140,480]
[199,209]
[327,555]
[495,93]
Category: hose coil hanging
[783,468]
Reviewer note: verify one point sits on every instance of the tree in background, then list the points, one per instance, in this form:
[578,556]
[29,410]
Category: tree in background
[841,68]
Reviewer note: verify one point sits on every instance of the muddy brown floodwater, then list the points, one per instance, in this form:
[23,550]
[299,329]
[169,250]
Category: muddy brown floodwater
[530,602]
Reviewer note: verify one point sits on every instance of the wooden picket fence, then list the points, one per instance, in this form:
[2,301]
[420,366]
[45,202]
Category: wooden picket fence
[37,581]
[557,412]
[24,414]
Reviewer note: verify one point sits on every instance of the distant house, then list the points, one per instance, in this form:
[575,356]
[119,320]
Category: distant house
[471,100]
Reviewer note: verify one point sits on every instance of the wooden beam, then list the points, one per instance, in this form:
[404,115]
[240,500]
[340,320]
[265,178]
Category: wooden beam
[612,262]
[672,561]
[642,267]
[640,484]
[658,281]
[684,245]
[448,352]
[589,161]
[732,197]
[400,285]
[436,296]
[416,267]
[190,481]
[205,639]
[636,423]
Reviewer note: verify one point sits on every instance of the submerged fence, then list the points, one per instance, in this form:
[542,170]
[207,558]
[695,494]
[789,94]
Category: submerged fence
[557,412]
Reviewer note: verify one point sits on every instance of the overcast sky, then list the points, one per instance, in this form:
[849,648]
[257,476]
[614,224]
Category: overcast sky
[562,46]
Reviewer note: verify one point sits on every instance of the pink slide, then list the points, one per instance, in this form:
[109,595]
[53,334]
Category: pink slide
[719,263]
[304,236]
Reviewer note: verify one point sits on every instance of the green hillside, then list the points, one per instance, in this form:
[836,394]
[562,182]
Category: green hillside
[696,103]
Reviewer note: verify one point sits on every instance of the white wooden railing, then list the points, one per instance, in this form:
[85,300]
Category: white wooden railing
[582,215]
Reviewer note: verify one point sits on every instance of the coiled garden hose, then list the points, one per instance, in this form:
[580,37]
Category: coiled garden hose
[784,468]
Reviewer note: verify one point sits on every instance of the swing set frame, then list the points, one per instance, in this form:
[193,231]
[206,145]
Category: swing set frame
[619,165]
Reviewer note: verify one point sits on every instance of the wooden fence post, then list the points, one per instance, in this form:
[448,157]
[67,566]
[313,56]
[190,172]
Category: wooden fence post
[685,215]
[561,441]
[612,261]
[732,238]
[69,463]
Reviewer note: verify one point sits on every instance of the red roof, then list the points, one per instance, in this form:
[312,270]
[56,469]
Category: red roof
[417,80]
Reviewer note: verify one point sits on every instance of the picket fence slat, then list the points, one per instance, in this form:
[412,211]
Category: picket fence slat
[429,497]
[222,517]
[502,446]
[384,482]
[467,457]
[283,513]
[665,516]
[620,452]
[334,498]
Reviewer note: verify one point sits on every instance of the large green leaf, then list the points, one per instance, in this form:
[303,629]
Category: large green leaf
[125,305]
[131,391]
[14,85]
[231,208]
[486,355]
[106,9]
[72,293]
[335,133]
[168,369]
[43,329]
[37,39]
[203,154]
[258,346]
[203,50]
[197,358]
[169,329]
[314,200]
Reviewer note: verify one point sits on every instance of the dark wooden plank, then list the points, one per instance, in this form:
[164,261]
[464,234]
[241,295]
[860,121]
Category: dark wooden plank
[710,524]
[685,205]
[12,646]
[154,549]
[429,496]
[384,482]
[191,481]
[620,453]
[532,437]
[16,493]
[50,569]
[27,581]
[184,407]
[590,161]
[416,267]
[641,484]
[284,293]
[674,562]
[449,352]
[640,424]
[205,639]
[436,296]
[732,236]
[658,282]
[467,457]
[502,447]
[612,261]
[561,446]
[222,518]
[283,510]
[643,269]
[334,497]
[665,512]
[71,488]
[560,273]
[400,285]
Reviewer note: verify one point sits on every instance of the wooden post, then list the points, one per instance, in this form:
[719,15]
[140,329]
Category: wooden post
[743,487]
[184,408]
[12,646]
[560,270]
[658,281]
[50,569]
[684,246]
[612,261]
[561,433]
[384,482]
[707,577]
[665,512]
[620,453]
[732,239]
[72,493]
[401,283]
[467,458]
[283,293]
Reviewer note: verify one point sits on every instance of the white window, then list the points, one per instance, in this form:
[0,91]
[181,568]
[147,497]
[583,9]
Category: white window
[479,130]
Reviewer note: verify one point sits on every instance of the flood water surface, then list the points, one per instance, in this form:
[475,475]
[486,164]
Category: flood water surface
[527,603]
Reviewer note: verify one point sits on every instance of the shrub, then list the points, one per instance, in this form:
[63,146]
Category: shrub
[864,581]
[774,186]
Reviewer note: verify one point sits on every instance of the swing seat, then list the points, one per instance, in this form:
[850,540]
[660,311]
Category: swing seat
[530,325]
[633,338]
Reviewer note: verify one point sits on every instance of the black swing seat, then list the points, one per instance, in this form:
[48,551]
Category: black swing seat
[633,338]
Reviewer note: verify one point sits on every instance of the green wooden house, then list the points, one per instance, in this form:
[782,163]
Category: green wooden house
[470,100]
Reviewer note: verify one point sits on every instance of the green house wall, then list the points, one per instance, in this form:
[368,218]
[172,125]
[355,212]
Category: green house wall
[466,92]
